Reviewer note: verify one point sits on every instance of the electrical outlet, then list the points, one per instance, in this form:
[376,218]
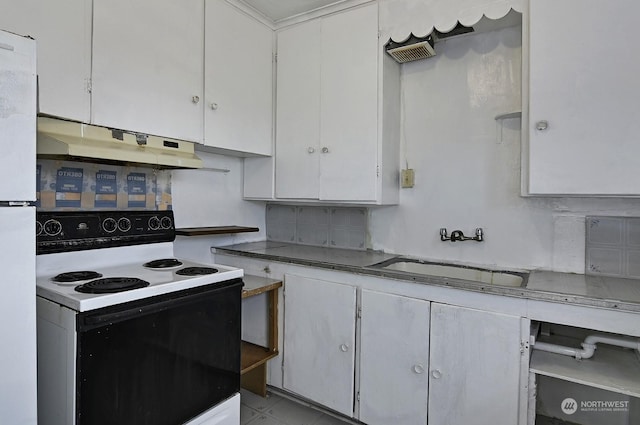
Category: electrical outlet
[407,178]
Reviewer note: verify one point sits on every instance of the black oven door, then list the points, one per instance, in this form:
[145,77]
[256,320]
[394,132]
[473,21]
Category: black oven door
[159,361]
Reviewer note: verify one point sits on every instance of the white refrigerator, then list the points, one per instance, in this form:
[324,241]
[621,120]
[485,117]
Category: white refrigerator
[18,388]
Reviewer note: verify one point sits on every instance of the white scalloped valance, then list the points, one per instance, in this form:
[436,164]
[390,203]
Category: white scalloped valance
[400,18]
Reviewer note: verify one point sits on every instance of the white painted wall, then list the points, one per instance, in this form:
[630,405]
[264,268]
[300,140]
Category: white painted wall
[203,198]
[468,166]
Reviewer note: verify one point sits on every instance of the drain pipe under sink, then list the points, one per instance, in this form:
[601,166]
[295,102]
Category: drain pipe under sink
[588,346]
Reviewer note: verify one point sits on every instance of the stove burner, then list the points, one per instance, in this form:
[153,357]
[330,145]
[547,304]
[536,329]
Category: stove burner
[110,285]
[196,271]
[76,276]
[163,263]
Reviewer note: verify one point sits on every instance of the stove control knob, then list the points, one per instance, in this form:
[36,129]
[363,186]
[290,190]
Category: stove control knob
[52,227]
[154,223]
[109,225]
[166,223]
[124,224]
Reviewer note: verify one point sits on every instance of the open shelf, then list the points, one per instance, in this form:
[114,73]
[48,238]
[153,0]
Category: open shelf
[254,355]
[611,368]
[215,230]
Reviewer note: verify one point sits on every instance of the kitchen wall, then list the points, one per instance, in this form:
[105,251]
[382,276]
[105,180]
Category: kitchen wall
[467,166]
[203,198]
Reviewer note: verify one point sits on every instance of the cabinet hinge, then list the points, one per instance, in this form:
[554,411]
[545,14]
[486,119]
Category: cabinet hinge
[377,171]
[379,33]
[275,57]
[359,313]
[524,347]
[89,85]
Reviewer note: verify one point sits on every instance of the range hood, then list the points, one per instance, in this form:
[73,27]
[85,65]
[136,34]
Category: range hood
[83,142]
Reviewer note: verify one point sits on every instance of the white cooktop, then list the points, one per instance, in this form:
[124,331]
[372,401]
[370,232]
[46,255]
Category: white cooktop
[119,262]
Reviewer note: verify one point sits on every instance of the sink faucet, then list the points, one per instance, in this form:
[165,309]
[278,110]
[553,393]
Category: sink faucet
[457,235]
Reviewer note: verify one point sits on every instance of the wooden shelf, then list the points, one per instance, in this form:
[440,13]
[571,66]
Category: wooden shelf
[254,355]
[254,285]
[215,230]
[611,368]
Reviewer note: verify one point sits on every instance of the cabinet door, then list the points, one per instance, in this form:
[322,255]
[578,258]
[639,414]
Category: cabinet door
[148,66]
[298,111]
[319,341]
[349,105]
[474,367]
[394,359]
[238,80]
[583,93]
[62,30]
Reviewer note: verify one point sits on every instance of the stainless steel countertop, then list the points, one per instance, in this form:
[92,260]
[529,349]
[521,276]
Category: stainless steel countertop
[596,291]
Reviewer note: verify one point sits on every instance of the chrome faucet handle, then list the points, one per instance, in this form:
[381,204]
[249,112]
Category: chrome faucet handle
[458,235]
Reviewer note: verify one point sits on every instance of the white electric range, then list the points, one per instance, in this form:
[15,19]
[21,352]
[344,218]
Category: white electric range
[127,333]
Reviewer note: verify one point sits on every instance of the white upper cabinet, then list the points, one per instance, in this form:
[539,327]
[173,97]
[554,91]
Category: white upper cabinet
[62,30]
[349,105]
[298,112]
[238,84]
[148,66]
[584,120]
[329,125]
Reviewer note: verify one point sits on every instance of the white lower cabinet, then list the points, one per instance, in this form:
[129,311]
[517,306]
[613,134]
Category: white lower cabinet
[394,359]
[319,341]
[475,367]
[390,359]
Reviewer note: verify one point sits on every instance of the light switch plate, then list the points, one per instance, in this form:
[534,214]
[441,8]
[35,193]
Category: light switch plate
[407,178]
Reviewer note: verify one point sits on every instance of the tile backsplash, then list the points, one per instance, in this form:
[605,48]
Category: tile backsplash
[613,246]
[337,227]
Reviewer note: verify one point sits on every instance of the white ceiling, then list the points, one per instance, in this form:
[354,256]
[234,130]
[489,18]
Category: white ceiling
[277,10]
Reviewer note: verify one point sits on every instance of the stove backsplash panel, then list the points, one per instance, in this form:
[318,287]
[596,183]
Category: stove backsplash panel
[69,185]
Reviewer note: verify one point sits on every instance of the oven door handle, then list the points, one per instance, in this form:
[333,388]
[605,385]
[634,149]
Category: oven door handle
[92,319]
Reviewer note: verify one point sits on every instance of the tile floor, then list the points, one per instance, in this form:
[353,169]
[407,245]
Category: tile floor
[277,410]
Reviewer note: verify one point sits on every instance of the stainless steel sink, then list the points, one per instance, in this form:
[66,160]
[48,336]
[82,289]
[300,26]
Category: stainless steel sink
[484,276]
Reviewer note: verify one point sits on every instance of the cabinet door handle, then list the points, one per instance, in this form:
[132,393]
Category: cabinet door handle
[195,99]
[214,106]
[344,348]
[542,125]
[311,149]
[325,150]
[9,47]
[436,374]
[418,368]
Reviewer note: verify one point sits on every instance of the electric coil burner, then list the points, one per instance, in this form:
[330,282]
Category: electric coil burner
[110,285]
[163,263]
[196,271]
[69,277]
